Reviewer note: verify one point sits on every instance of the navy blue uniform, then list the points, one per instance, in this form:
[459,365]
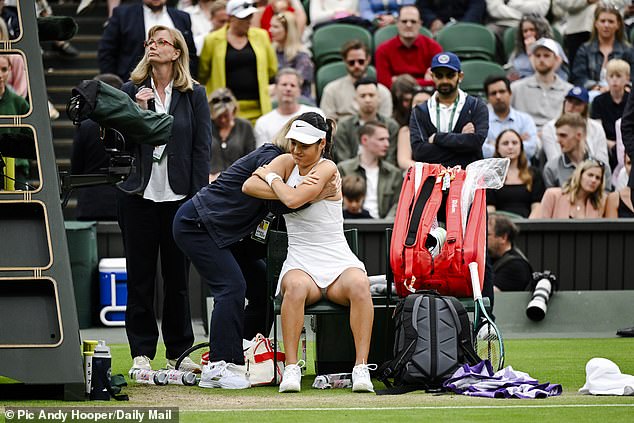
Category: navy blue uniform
[213,229]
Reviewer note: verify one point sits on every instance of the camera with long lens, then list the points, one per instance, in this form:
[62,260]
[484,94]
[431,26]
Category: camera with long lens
[544,285]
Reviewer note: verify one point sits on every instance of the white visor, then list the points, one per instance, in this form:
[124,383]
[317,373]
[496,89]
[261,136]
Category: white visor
[305,133]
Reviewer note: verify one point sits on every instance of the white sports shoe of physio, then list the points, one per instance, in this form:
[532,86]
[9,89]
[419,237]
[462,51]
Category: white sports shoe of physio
[221,374]
[187,365]
[292,378]
[361,381]
[141,362]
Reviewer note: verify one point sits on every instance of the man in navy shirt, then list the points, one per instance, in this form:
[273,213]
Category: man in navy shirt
[452,125]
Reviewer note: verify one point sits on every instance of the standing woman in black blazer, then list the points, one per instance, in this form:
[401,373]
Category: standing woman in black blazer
[165,177]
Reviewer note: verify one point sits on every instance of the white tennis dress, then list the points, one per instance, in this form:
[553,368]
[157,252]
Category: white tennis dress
[316,243]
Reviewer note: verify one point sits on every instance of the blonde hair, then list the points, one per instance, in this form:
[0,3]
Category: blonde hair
[618,66]
[183,80]
[573,185]
[280,139]
[292,45]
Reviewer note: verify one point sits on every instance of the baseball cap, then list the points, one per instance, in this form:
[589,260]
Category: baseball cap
[305,133]
[548,43]
[446,60]
[579,93]
[240,8]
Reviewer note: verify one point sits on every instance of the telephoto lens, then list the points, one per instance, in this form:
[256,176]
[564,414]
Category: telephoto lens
[545,283]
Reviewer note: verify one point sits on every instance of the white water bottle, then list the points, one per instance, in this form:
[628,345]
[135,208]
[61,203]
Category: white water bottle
[101,366]
[302,342]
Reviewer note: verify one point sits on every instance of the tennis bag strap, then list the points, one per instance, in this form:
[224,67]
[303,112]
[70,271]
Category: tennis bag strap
[465,333]
[419,202]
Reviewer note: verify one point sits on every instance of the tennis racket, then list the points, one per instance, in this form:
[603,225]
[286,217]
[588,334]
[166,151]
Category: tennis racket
[488,340]
[195,353]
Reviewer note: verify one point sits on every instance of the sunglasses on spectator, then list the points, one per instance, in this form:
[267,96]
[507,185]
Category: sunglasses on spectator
[598,163]
[217,100]
[160,42]
[352,62]
[441,75]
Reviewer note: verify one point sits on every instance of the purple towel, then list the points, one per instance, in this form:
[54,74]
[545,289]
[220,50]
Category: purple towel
[481,381]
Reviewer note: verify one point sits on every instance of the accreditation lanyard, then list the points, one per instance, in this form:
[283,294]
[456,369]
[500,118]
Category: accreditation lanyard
[451,117]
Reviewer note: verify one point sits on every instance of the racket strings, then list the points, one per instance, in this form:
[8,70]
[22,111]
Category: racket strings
[488,344]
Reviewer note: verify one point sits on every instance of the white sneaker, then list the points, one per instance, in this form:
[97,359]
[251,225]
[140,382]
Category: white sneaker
[221,374]
[292,378]
[141,362]
[187,365]
[361,381]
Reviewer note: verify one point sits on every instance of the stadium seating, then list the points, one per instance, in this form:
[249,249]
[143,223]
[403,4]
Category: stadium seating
[475,72]
[327,41]
[468,41]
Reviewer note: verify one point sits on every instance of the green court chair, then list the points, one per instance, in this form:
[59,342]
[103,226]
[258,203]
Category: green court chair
[468,41]
[509,41]
[327,41]
[390,31]
[331,71]
[277,246]
[475,72]
[276,254]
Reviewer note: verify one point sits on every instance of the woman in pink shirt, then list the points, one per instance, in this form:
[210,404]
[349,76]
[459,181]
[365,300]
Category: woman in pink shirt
[581,197]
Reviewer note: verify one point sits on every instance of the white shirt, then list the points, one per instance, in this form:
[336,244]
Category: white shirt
[161,18]
[268,125]
[446,112]
[158,188]
[371,202]
[201,26]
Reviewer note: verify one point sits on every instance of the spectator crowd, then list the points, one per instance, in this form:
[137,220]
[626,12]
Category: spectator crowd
[236,73]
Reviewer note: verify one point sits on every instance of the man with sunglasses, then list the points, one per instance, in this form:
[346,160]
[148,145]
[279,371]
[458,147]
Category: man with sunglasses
[121,46]
[338,97]
[451,126]
[409,52]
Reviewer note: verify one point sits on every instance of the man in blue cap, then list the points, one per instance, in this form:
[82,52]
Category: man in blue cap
[451,126]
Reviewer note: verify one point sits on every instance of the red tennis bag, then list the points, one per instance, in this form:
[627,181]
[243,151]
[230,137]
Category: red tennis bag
[426,188]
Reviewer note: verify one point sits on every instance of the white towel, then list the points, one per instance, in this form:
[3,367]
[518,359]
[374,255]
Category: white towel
[603,377]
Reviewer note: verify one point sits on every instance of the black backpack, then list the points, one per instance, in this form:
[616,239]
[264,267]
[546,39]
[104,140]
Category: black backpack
[433,338]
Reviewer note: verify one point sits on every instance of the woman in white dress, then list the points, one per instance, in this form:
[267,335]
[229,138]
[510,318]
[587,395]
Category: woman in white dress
[319,263]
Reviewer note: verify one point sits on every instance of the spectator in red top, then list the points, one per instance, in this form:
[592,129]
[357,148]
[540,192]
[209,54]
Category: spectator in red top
[409,52]
[278,6]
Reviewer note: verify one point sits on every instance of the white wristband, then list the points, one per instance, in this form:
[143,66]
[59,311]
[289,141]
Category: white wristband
[271,177]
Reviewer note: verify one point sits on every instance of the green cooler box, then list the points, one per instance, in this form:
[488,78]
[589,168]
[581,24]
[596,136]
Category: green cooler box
[82,249]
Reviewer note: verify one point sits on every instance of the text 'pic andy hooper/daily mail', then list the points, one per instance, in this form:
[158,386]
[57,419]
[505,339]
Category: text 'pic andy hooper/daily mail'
[92,414]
